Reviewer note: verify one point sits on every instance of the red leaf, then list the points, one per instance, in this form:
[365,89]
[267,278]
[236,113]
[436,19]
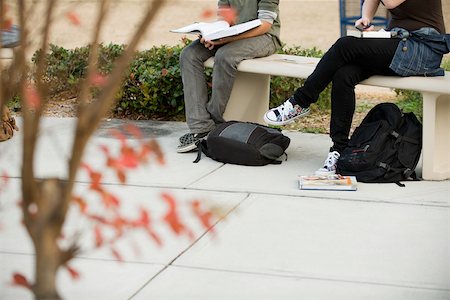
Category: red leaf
[7,24]
[144,218]
[81,203]
[98,236]
[31,96]
[156,150]
[134,130]
[104,149]
[20,280]
[109,200]
[207,13]
[73,273]
[94,176]
[119,135]
[228,14]
[98,218]
[121,175]
[116,254]
[164,72]
[5,177]
[129,158]
[98,80]
[172,218]
[86,167]
[145,222]
[205,217]
[154,236]
[73,18]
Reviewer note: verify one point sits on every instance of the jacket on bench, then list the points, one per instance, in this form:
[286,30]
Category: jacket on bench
[420,52]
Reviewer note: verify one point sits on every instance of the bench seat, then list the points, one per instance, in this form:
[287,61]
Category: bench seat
[251,91]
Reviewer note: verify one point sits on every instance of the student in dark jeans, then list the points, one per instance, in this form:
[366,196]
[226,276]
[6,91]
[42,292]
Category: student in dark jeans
[417,49]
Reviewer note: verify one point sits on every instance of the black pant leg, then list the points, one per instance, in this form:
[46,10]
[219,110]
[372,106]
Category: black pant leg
[372,54]
[343,102]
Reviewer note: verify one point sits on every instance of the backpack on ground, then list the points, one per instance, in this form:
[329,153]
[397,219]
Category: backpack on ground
[244,143]
[7,125]
[384,148]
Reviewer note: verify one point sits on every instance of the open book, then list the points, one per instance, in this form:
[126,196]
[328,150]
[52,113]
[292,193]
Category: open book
[216,30]
[328,182]
[370,34]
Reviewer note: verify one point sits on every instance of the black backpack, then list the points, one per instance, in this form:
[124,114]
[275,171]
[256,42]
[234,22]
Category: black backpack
[384,148]
[244,143]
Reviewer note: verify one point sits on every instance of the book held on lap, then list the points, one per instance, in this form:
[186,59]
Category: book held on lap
[333,182]
[216,30]
[370,34]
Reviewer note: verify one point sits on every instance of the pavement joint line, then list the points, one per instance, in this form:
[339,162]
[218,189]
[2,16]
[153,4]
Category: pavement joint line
[166,266]
[189,246]
[204,176]
[319,197]
[313,278]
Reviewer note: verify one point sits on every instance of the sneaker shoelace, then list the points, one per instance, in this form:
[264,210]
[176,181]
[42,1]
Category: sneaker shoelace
[284,110]
[287,111]
[331,160]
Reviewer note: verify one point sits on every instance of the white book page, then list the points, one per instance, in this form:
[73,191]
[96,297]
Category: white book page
[203,28]
[233,30]
[369,34]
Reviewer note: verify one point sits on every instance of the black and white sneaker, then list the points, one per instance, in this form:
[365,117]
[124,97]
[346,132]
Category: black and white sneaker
[329,166]
[188,142]
[285,113]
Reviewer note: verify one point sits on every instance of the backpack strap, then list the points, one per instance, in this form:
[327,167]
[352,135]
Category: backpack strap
[408,174]
[409,140]
[202,147]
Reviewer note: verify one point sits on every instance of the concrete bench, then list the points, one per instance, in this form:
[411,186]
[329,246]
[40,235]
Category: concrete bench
[250,100]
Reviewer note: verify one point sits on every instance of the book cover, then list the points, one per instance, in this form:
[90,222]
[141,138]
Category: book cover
[369,34]
[328,182]
[215,30]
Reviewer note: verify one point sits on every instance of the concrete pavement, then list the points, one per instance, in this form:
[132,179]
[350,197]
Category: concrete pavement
[276,242]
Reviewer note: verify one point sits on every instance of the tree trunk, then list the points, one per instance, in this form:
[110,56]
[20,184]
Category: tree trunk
[47,264]
[44,217]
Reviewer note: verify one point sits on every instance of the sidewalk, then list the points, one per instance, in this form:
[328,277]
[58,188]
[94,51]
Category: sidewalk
[277,242]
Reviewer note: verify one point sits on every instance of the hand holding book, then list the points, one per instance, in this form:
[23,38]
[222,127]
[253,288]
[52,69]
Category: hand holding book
[211,31]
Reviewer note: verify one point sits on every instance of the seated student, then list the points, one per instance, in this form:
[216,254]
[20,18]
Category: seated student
[202,114]
[417,49]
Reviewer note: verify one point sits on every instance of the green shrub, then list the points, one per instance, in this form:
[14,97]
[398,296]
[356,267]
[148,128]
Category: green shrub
[153,85]
[66,67]
[410,101]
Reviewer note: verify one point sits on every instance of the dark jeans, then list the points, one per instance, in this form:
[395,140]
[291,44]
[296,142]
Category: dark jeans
[349,61]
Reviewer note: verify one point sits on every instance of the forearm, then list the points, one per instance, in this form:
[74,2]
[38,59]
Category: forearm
[260,30]
[369,9]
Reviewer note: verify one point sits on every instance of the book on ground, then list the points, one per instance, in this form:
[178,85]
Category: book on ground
[216,30]
[328,182]
[370,34]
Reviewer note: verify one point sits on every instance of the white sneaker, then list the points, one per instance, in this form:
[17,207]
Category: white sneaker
[285,113]
[329,166]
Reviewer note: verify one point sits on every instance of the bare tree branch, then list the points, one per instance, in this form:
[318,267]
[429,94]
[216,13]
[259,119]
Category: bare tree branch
[89,118]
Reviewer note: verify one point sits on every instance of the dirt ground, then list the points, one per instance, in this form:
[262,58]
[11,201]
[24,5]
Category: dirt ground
[304,23]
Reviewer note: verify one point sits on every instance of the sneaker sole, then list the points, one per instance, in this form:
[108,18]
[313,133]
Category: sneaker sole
[187,148]
[275,123]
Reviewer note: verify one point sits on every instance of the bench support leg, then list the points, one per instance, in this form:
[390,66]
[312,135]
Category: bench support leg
[249,99]
[436,137]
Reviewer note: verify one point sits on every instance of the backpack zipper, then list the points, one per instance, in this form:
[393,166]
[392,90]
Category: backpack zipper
[361,150]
